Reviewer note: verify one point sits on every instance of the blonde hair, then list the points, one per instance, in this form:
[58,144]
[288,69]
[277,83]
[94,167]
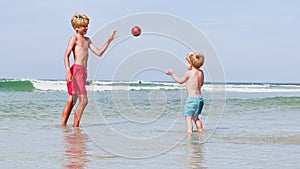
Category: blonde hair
[80,20]
[196,59]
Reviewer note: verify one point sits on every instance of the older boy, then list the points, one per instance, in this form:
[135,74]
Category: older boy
[77,74]
[194,79]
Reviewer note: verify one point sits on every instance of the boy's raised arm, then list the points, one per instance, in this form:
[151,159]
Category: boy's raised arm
[99,52]
[177,79]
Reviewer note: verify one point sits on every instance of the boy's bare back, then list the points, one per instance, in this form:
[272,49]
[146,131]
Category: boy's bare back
[194,83]
[194,77]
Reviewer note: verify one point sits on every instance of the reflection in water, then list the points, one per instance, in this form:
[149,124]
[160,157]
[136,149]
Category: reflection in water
[75,155]
[194,157]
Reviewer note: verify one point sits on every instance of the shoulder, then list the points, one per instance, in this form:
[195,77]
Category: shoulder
[73,38]
[201,74]
[200,71]
[88,39]
[187,73]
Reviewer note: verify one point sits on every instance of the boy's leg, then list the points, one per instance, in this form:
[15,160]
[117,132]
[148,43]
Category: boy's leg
[67,110]
[189,124]
[198,124]
[83,101]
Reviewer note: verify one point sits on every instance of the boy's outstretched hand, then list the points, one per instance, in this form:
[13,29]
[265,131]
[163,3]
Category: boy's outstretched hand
[170,72]
[113,35]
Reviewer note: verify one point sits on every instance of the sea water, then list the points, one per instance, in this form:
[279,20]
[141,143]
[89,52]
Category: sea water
[140,125]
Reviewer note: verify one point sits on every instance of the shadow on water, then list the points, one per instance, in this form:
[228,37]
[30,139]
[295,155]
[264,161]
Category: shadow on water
[194,149]
[75,148]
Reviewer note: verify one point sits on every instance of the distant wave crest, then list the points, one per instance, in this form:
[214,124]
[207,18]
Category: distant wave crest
[60,85]
[16,85]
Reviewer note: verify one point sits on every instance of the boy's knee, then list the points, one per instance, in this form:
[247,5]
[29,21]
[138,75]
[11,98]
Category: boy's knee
[84,101]
[195,118]
[71,102]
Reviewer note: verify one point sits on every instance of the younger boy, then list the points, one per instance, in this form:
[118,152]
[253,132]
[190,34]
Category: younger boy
[194,79]
[77,74]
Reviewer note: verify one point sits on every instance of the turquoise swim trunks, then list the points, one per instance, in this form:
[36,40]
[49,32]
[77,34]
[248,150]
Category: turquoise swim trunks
[193,106]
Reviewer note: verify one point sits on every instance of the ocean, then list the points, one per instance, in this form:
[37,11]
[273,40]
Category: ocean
[140,125]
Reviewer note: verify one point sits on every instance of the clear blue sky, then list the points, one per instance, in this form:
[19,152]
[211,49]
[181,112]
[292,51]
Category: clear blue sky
[256,40]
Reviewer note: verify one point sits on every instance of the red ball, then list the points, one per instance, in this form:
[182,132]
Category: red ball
[136,31]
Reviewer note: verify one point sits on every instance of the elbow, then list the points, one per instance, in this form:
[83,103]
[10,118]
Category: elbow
[99,54]
[180,81]
[66,58]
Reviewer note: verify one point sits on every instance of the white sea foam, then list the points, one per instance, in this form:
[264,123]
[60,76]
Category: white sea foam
[46,85]
[60,85]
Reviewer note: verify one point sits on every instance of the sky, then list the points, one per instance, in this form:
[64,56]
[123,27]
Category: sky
[256,40]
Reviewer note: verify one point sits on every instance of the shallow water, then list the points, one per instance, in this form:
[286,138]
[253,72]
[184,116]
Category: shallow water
[258,130]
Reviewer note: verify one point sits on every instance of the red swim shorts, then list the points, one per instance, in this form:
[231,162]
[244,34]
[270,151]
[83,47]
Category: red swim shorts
[77,83]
